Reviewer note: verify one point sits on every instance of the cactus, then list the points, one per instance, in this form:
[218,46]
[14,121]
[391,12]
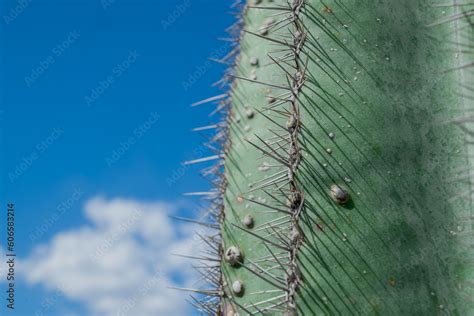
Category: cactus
[344,172]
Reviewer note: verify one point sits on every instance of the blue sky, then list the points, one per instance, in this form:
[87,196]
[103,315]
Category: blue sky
[95,119]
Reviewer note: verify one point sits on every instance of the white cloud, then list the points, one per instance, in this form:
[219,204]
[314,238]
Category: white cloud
[120,264]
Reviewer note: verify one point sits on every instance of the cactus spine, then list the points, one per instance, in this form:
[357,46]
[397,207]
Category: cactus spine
[346,182]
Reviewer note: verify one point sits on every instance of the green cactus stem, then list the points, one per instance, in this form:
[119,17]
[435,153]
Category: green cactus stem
[345,186]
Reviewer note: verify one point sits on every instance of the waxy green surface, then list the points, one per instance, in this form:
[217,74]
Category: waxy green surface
[376,79]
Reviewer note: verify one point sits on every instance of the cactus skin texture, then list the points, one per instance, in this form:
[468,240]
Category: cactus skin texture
[346,186]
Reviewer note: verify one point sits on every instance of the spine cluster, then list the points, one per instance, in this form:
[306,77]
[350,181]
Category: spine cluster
[282,237]
[294,124]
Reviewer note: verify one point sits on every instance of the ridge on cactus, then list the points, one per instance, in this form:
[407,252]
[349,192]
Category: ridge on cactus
[343,181]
